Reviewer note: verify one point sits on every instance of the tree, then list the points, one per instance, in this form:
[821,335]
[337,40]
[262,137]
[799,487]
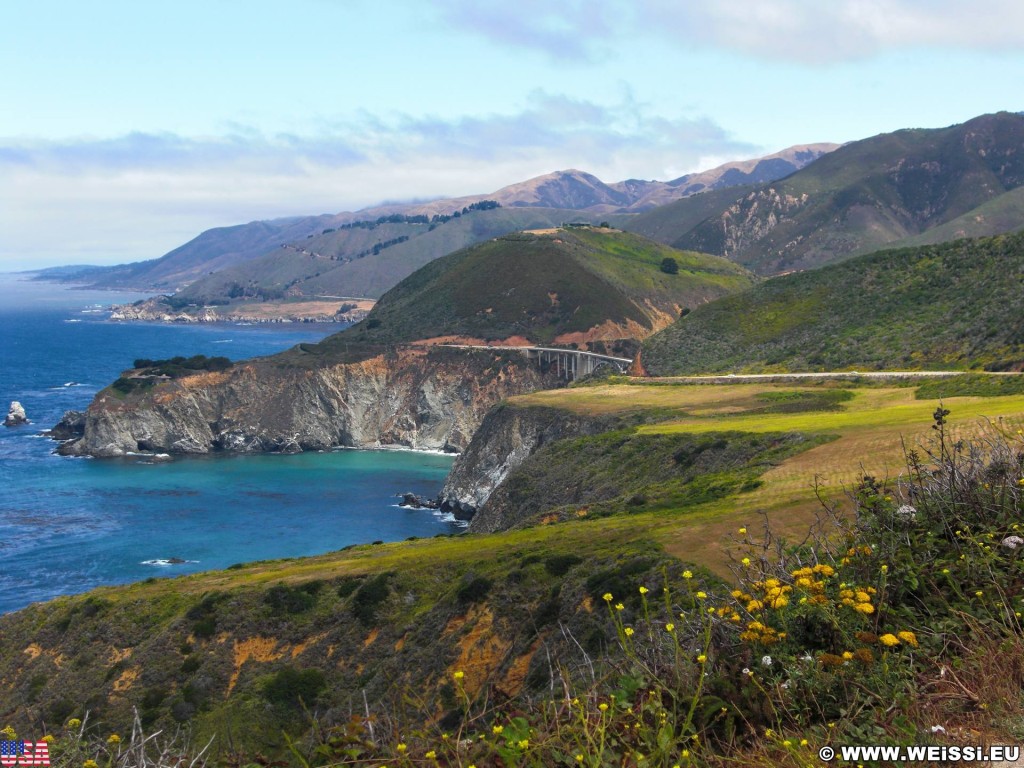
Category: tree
[670,266]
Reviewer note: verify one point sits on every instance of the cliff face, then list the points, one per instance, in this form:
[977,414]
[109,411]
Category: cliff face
[418,398]
[508,436]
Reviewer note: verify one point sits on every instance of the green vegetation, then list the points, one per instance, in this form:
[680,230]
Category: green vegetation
[970,385]
[934,307]
[863,196]
[627,470]
[177,367]
[542,286]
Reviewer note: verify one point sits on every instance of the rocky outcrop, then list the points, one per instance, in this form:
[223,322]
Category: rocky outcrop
[70,427]
[506,438]
[15,415]
[422,398]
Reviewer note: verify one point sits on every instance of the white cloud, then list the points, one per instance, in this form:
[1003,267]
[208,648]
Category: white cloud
[802,31]
[137,196]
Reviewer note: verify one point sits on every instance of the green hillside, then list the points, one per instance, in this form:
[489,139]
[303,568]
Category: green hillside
[861,197]
[1000,215]
[956,305]
[544,286]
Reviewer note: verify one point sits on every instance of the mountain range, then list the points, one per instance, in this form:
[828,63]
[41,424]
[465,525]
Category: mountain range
[548,200]
[886,190]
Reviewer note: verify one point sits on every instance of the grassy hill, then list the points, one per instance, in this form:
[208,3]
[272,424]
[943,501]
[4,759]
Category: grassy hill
[577,284]
[863,196]
[955,305]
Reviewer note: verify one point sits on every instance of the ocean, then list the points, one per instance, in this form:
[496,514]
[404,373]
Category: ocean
[70,524]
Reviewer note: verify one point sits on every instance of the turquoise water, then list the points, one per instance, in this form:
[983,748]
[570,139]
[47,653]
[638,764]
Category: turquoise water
[67,524]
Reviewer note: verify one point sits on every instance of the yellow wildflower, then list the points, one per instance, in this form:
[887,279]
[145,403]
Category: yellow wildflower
[607,597]
[889,640]
[113,739]
[459,675]
[701,658]
[431,755]
[745,561]
[628,631]
[643,590]
[865,608]
[687,575]
[848,655]
[701,595]
[620,607]
[496,730]
[744,530]
[907,637]
[603,707]
[524,744]
[401,748]
[670,627]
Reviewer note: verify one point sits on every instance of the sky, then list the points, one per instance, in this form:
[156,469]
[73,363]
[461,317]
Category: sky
[126,128]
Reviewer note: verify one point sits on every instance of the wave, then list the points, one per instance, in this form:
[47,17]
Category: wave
[161,562]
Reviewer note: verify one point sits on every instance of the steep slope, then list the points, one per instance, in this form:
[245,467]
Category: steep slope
[569,285]
[854,200]
[955,305]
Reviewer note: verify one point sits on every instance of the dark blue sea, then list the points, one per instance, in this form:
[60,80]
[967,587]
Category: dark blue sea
[70,524]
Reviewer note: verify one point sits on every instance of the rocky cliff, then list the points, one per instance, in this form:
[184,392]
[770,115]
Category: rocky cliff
[423,398]
[508,436]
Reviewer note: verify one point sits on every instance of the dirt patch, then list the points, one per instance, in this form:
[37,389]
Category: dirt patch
[301,647]
[118,655]
[201,380]
[512,683]
[33,651]
[482,652]
[127,679]
[371,638]
[262,649]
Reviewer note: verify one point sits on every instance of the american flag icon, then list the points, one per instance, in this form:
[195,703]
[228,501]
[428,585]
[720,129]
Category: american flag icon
[18,753]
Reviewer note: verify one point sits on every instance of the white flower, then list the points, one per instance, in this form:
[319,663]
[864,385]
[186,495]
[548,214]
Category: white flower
[937,729]
[785,686]
[746,671]
[1012,542]
[907,512]
[766,661]
[806,657]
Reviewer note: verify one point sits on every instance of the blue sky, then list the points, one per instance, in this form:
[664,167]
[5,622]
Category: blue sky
[126,128]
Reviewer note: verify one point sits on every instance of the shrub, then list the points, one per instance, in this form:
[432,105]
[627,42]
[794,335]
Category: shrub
[369,598]
[474,589]
[291,687]
[559,565]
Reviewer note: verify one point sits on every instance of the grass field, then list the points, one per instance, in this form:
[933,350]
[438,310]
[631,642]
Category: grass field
[871,430]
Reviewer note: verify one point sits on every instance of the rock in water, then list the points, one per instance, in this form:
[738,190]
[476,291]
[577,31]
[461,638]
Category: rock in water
[15,415]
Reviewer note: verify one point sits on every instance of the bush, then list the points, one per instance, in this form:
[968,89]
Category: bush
[669,266]
[369,598]
[474,590]
[559,565]
[291,687]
